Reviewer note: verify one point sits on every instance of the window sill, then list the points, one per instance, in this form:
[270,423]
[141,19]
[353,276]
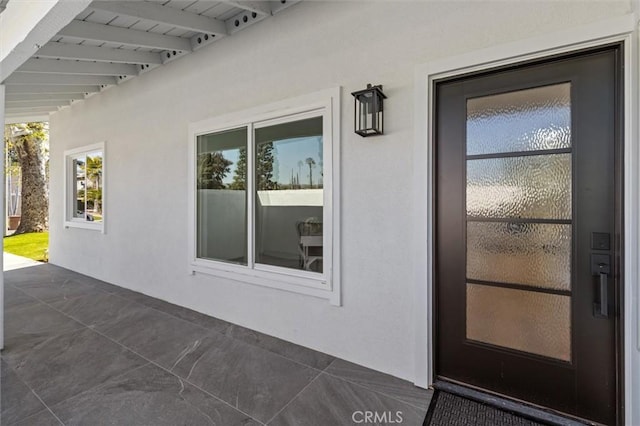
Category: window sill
[295,283]
[84,225]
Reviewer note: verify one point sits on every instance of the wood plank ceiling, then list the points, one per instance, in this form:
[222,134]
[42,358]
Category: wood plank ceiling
[114,41]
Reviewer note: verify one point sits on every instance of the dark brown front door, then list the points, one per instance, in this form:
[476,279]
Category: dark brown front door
[528,233]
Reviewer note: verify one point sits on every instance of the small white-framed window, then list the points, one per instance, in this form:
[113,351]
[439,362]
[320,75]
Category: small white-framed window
[264,195]
[84,187]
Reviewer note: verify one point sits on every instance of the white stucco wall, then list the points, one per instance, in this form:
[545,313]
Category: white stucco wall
[312,46]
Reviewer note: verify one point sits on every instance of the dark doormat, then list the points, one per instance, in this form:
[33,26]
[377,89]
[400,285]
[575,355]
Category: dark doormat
[447,409]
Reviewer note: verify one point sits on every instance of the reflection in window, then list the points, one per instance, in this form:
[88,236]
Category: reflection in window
[79,188]
[221,196]
[261,195]
[289,195]
[87,187]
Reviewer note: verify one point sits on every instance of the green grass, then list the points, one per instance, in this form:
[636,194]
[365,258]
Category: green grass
[32,245]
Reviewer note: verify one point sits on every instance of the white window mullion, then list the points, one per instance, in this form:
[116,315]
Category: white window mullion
[327,193]
[86,187]
[251,197]
[70,188]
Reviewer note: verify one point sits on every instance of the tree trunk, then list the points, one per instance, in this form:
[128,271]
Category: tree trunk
[35,205]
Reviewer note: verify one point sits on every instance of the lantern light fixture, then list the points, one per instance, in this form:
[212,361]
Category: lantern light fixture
[368,114]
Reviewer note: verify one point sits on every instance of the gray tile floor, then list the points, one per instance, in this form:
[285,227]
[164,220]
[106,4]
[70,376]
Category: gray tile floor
[79,351]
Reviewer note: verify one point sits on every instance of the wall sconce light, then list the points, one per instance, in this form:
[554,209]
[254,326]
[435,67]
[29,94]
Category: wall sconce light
[368,119]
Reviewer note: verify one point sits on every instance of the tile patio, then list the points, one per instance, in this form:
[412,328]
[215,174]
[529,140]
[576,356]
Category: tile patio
[79,351]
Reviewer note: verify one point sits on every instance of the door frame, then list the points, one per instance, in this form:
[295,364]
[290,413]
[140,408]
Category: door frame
[621,29]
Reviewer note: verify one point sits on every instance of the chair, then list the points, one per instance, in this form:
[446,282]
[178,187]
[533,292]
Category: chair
[309,243]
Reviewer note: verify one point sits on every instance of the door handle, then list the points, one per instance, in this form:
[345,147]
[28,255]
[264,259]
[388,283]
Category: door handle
[601,268]
[604,302]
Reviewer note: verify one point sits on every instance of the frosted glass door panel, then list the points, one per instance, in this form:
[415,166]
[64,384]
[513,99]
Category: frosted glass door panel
[537,186]
[519,213]
[524,120]
[527,321]
[535,254]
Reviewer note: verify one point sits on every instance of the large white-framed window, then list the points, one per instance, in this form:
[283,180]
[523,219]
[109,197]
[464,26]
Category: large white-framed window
[264,195]
[84,187]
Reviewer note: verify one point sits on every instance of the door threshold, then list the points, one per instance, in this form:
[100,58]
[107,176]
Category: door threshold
[519,408]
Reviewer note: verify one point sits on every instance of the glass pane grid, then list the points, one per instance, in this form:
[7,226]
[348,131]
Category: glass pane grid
[523,120]
[533,254]
[519,154]
[526,321]
[537,187]
[519,212]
